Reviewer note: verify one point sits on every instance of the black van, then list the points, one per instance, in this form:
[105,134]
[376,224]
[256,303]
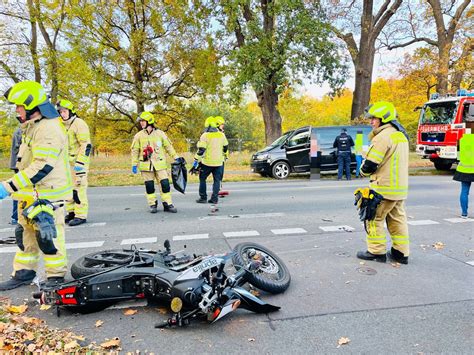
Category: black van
[303,149]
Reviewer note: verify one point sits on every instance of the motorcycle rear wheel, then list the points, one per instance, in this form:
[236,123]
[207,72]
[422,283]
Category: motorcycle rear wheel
[273,276]
[105,260]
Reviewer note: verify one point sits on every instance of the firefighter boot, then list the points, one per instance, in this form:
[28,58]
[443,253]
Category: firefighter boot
[169,207]
[398,256]
[154,208]
[366,255]
[52,282]
[77,221]
[69,217]
[21,277]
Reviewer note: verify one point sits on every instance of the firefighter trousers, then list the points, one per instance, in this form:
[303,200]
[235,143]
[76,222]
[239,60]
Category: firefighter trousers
[162,178]
[55,265]
[393,213]
[80,186]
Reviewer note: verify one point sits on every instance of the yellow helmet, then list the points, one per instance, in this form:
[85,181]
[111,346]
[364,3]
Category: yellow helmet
[148,117]
[209,121]
[382,109]
[67,105]
[219,120]
[31,95]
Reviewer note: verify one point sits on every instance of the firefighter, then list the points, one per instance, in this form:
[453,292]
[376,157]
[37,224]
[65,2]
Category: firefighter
[148,157]
[42,185]
[212,150]
[465,170]
[80,148]
[387,165]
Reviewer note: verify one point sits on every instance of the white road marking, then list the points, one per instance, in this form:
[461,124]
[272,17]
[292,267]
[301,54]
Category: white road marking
[8,250]
[470,262]
[244,216]
[241,234]
[84,245]
[88,225]
[422,222]
[459,220]
[337,228]
[191,236]
[289,231]
[5,230]
[139,241]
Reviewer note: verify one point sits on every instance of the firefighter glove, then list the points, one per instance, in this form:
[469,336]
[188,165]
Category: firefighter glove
[41,215]
[195,169]
[19,236]
[367,201]
[134,169]
[3,192]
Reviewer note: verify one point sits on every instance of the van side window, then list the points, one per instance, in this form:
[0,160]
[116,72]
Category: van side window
[299,138]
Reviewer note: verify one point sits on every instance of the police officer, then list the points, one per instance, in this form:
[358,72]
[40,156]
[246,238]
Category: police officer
[343,143]
[465,170]
[387,165]
[212,150]
[80,148]
[42,185]
[148,157]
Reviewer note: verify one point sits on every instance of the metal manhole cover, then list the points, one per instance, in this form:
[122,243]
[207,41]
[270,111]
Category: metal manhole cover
[342,253]
[366,270]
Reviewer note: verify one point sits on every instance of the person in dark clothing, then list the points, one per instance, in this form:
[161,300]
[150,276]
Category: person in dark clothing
[16,142]
[343,143]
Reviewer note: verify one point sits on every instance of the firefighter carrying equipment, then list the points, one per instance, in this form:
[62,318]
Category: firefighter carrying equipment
[367,201]
[160,143]
[179,175]
[147,152]
[41,215]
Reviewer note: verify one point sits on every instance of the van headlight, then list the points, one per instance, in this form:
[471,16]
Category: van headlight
[262,157]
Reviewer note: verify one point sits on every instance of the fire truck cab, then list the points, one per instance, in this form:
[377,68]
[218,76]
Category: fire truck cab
[443,121]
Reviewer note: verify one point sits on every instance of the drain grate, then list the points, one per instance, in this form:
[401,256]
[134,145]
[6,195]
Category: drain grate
[366,270]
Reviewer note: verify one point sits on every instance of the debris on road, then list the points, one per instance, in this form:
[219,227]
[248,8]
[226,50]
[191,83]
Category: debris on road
[343,341]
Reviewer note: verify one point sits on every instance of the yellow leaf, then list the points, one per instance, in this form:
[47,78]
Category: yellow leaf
[163,310]
[17,309]
[31,347]
[99,323]
[438,245]
[45,307]
[111,343]
[71,346]
[78,337]
[343,341]
[130,312]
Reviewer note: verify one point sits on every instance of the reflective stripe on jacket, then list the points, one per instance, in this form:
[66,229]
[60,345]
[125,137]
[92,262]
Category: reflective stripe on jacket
[466,154]
[43,163]
[80,145]
[389,149]
[159,142]
[215,145]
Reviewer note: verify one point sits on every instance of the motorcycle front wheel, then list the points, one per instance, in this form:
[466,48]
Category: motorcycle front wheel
[105,260]
[273,276]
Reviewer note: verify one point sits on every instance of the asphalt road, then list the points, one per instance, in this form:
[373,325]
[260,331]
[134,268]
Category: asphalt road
[426,306]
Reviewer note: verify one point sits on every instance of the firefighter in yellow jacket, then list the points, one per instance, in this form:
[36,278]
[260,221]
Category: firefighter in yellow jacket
[80,148]
[148,156]
[42,185]
[209,159]
[387,165]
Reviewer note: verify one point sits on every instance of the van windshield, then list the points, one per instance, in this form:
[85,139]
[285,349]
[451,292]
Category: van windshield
[281,140]
[438,113]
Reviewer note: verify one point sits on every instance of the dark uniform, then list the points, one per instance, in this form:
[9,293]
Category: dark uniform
[343,143]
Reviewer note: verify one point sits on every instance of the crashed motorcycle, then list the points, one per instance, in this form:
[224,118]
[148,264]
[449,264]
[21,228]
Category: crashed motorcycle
[195,285]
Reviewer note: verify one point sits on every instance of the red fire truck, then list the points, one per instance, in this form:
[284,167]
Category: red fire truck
[443,121]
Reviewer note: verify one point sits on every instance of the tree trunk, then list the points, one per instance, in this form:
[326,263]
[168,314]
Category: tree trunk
[443,68]
[268,102]
[34,42]
[363,79]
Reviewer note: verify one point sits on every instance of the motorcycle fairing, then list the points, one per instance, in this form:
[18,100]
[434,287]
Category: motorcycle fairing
[250,302]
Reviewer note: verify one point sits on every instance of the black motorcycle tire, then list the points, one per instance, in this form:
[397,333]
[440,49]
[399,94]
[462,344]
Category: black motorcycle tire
[81,267]
[265,284]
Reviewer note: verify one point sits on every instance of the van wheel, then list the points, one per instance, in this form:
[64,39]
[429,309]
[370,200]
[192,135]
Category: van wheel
[442,165]
[281,170]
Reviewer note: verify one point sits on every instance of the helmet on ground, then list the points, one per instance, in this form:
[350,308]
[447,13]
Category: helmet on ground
[381,109]
[32,96]
[209,122]
[148,117]
[219,120]
[67,105]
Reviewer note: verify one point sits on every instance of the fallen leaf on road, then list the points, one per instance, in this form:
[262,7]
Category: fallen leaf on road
[115,342]
[362,263]
[31,347]
[17,309]
[130,312]
[78,337]
[438,245]
[396,265]
[251,340]
[71,346]
[99,323]
[343,341]
[45,307]
[162,310]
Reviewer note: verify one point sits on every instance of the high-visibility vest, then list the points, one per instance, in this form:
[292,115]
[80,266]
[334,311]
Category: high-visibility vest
[359,143]
[79,141]
[466,154]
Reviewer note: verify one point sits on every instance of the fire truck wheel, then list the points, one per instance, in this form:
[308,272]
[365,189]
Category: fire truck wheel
[442,165]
